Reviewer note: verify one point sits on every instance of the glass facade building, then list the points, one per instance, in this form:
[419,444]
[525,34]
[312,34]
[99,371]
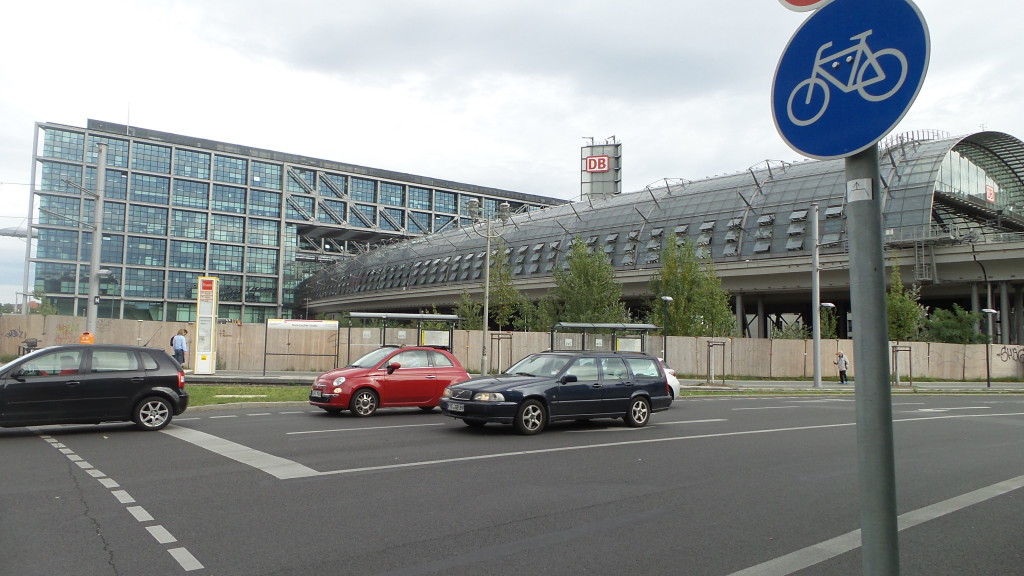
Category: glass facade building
[177,207]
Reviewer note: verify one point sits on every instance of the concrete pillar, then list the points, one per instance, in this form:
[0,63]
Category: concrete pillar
[741,316]
[762,319]
[1005,313]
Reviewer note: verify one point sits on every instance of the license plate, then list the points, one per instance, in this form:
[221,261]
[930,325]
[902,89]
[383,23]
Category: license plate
[315,393]
[456,407]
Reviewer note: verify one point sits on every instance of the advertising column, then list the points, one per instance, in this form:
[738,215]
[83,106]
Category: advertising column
[206,325]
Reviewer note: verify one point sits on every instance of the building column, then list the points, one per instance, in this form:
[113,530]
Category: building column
[1005,313]
[1018,315]
[741,316]
[762,319]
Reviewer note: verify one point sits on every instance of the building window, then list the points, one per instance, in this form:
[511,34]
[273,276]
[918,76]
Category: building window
[363,215]
[299,208]
[229,170]
[766,220]
[262,232]
[143,283]
[54,278]
[182,285]
[333,185]
[392,219]
[445,202]
[147,220]
[188,255]
[795,243]
[115,187]
[226,258]
[146,251]
[262,290]
[111,252]
[191,194]
[266,175]
[364,190]
[263,203]
[151,158]
[59,210]
[192,164]
[299,181]
[331,211]
[53,177]
[117,151]
[113,215]
[63,144]
[57,244]
[230,288]
[419,198]
[229,199]
[186,224]
[260,261]
[152,189]
[227,228]
[834,212]
[392,194]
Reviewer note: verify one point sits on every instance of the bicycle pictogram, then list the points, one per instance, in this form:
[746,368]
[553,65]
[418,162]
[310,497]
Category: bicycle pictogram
[875,76]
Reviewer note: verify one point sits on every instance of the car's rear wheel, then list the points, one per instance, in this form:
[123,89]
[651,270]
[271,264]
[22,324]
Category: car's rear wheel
[531,417]
[364,402]
[639,412]
[152,413]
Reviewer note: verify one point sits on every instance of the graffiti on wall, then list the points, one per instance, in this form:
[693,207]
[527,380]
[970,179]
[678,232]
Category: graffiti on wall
[1011,354]
[16,333]
[66,334]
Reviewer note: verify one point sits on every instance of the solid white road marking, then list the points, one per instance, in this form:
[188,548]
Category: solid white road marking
[277,467]
[766,408]
[817,553]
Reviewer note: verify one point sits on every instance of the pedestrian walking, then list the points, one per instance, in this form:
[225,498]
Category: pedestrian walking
[843,363]
[180,345]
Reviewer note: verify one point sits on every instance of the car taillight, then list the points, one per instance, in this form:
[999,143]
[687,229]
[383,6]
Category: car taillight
[181,379]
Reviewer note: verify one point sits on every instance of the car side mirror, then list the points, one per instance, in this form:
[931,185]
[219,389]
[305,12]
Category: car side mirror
[18,375]
[569,378]
[393,366]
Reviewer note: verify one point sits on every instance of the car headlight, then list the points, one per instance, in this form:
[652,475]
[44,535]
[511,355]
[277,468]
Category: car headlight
[488,397]
[338,381]
[447,392]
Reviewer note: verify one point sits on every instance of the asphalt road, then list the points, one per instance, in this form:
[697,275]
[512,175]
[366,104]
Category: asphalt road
[714,486]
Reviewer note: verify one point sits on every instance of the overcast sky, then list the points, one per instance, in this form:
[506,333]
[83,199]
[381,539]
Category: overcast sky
[498,93]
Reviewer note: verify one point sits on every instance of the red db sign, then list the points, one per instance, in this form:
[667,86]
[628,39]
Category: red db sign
[598,163]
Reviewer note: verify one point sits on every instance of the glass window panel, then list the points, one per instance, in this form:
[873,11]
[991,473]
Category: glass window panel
[117,151]
[53,177]
[392,194]
[187,255]
[364,190]
[445,202]
[192,164]
[146,251]
[191,194]
[147,220]
[153,189]
[151,158]
[263,203]
[260,260]
[226,258]
[188,224]
[300,181]
[228,199]
[143,283]
[229,170]
[263,232]
[259,289]
[63,144]
[266,175]
[225,228]
[114,188]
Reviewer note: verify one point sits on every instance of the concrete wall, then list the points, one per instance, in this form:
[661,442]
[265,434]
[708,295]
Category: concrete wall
[251,347]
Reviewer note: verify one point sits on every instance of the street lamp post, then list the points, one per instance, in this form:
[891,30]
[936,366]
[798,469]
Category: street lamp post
[989,313]
[92,305]
[664,329]
[476,213]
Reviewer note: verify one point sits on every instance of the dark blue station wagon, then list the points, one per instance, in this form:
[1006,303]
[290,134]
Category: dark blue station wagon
[567,385]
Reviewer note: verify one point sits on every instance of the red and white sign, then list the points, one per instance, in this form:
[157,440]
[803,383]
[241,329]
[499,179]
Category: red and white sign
[803,5]
[990,193]
[598,163]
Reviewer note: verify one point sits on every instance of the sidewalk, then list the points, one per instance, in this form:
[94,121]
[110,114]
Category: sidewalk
[245,377]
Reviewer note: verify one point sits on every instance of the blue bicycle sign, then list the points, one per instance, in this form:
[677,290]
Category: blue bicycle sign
[849,75]
[874,75]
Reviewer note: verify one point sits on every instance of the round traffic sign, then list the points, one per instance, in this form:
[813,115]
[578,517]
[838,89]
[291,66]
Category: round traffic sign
[848,76]
[803,5]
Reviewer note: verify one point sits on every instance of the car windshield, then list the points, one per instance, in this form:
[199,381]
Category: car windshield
[539,365]
[373,358]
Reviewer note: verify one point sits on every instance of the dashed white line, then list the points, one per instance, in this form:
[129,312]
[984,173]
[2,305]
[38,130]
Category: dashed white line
[186,559]
[365,428]
[123,496]
[161,534]
[140,513]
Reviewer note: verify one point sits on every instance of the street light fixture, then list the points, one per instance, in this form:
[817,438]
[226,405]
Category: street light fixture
[487,231]
[989,313]
[664,329]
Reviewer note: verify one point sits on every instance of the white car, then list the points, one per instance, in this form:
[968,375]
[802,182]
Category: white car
[673,382]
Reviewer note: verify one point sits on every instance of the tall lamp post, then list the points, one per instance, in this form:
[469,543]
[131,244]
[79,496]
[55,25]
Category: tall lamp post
[664,330]
[816,342]
[487,231]
[989,313]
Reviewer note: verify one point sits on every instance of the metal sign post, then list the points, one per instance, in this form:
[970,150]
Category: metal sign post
[847,77]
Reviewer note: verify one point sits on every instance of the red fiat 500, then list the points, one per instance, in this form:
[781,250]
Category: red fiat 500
[389,377]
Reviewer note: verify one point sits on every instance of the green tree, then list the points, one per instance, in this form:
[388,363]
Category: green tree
[906,315]
[699,306]
[471,312]
[954,327]
[829,323]
[791,331]
[507,306]
[586,291]
[46,306]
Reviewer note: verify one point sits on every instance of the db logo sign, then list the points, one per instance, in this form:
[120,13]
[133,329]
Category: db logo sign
[598,163]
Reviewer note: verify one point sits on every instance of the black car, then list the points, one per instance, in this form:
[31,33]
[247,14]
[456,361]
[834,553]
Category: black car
[92,383]
[552,386]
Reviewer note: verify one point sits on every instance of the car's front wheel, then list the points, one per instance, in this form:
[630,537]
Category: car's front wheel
[531,417]
[152,413]
[364,402]
[639,412]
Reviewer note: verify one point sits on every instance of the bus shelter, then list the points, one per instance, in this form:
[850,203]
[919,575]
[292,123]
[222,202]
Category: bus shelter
[597,336]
